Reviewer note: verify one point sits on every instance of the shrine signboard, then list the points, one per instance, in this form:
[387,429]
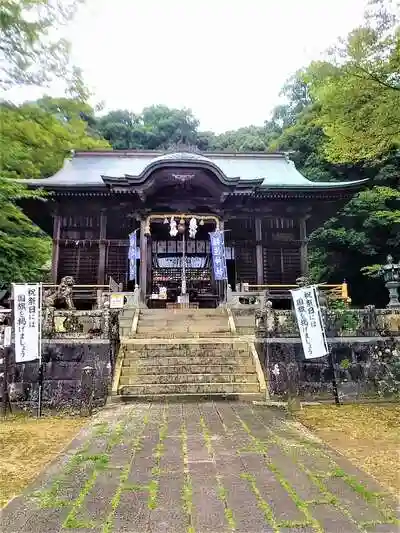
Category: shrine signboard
[309,319]
[27,322]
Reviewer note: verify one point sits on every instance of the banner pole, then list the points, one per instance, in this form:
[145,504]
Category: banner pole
[324,323]
[7,321]
[40,393]
[334,380]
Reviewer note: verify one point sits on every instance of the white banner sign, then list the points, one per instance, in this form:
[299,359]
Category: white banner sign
[26,319]
[308,314]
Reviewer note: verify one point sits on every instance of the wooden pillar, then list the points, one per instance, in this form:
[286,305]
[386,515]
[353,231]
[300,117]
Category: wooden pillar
[102,249]
[259,252]
[143,259]
[303,246]
[56,246]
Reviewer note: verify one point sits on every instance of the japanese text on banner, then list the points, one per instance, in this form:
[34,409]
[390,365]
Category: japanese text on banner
[306,307]
[218,255]
[26,317]
[132,256]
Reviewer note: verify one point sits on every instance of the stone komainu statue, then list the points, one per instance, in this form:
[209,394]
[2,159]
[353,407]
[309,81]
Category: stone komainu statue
[61,296]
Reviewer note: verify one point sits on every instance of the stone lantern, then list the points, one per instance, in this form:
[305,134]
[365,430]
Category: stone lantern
[391,274]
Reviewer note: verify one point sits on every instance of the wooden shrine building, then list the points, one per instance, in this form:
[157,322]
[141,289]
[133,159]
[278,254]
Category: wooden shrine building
[265,207]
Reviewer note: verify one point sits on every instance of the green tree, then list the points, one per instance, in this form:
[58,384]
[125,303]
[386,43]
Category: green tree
[166,127]
[34,141]
[24,248]
[356,99]
[35,138]
[358,89]
[366,229]
[29,52]
[248,139]
[157,127]
[122,129]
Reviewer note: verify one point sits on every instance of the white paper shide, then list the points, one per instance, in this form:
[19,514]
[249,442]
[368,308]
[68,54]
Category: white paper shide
[26,317]
[308,316]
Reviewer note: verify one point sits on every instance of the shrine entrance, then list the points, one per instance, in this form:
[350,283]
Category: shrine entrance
[179,266]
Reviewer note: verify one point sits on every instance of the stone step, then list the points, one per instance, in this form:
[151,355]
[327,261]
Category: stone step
[183,328]
[192,347]
[238,362]
[188,388]
[184,324]
[134,367]
[182,351]
[183,378]
[185,312]
[180,335]
[189,397]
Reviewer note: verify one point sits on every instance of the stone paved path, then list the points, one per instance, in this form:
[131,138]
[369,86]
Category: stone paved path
[199,468]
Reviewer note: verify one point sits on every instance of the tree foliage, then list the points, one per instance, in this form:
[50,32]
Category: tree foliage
[356,95]
[29,51]
[35,139]
[24,248]
[157,127]
[359,89]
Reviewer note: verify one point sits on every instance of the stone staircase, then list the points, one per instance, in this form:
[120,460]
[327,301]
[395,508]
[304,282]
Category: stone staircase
[185,352]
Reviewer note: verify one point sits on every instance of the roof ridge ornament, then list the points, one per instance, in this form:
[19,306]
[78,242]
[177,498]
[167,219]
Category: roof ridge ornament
[182,147]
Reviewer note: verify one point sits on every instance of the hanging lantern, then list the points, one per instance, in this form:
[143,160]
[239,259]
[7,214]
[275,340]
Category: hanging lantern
[201,223]
[165,220]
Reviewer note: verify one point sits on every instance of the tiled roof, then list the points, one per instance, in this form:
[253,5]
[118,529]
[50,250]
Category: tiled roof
[85,170]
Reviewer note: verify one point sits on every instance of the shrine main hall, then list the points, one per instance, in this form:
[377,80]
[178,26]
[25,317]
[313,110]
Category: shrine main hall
[171,202]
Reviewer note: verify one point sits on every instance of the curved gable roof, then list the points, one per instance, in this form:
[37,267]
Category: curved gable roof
[85,170]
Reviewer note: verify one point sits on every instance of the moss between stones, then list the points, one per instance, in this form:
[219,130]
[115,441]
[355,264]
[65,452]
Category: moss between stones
[298,501]
[154,484]
[187,489]
[318,480]
[221,490]
[48,498]
[262,504]
[136,445]
[72,521]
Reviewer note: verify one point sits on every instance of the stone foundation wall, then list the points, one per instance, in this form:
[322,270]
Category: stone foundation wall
[66,385]
[361,369]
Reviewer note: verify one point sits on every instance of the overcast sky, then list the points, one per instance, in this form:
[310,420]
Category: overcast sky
[226,60]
